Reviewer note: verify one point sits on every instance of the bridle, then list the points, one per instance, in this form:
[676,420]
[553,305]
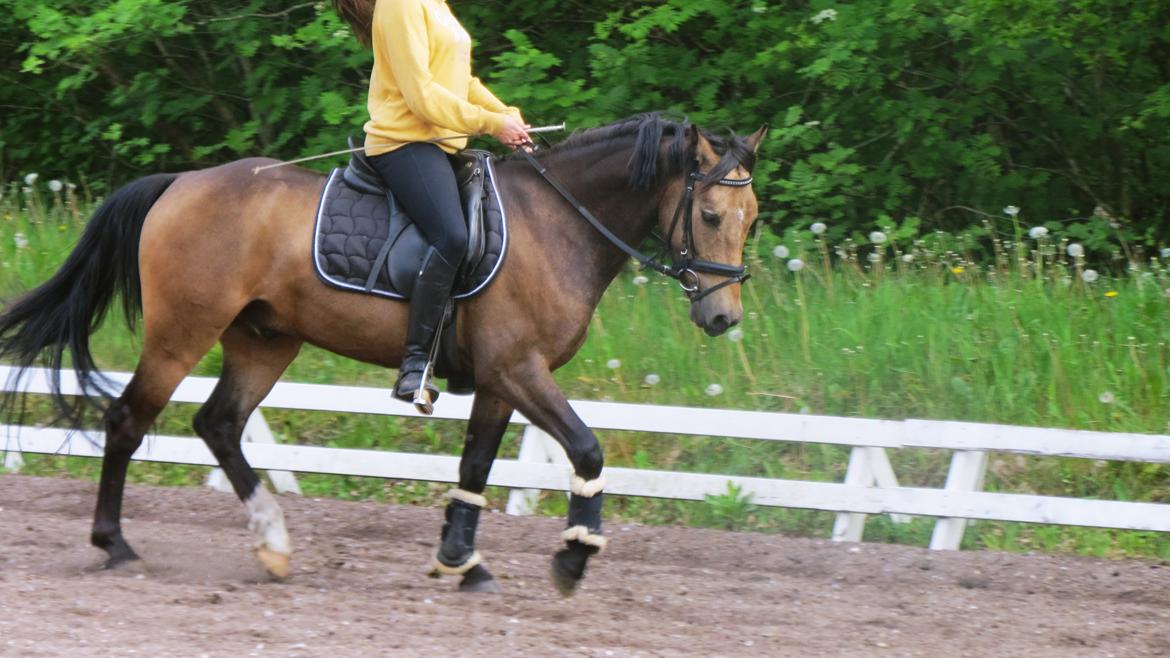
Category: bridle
[686,265]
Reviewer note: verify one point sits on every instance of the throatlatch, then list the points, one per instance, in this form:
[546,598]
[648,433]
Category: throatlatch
[456,554]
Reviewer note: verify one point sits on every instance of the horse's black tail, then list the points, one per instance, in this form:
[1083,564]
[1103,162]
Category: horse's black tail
[60,315]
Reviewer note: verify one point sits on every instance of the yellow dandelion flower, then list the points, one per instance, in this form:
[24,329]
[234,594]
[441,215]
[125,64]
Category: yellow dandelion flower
[957,270]
[1111,293]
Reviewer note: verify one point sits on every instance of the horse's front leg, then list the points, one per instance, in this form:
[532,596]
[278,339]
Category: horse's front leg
[534,392]
[456,554]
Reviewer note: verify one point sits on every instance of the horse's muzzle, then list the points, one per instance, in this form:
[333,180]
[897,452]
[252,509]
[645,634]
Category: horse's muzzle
[713,320]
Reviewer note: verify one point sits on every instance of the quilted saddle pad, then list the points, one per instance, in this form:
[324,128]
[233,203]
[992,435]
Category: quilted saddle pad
[356,224]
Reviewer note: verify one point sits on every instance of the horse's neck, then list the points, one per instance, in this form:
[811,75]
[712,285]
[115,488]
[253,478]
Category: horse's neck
[600,183]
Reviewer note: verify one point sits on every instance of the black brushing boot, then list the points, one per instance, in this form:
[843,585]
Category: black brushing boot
[428,302]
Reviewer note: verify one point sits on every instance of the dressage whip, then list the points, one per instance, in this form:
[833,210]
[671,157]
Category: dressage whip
[530,131]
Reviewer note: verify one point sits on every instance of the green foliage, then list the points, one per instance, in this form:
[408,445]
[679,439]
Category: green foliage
[931,109]
[728,510]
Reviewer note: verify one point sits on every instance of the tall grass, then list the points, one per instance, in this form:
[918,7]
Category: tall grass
[872,328]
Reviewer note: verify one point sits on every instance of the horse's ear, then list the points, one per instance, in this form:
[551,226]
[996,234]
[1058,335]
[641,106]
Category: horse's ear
[703,148]
[753,140]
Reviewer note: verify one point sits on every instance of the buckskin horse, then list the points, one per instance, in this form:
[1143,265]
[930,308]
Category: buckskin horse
[224,255]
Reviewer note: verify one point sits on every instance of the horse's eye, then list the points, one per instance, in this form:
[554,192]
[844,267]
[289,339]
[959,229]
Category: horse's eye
[711,218]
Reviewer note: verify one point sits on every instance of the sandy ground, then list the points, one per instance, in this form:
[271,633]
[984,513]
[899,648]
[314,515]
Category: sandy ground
[358,589]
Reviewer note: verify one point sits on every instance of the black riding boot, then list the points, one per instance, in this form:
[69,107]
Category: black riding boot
[428,301]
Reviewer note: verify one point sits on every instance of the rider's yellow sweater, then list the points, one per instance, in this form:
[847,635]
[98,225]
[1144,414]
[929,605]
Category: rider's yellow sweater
[421,87]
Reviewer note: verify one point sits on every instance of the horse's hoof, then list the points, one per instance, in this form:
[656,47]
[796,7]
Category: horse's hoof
[479,580]
[125,564]
[277,564]
[566,575]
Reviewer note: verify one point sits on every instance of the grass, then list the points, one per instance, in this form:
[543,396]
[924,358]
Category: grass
[917,329]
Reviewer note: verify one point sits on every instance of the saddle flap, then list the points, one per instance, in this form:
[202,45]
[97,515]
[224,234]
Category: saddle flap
[470,175]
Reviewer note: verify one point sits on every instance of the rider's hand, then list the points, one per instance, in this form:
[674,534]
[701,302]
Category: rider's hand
[513,134]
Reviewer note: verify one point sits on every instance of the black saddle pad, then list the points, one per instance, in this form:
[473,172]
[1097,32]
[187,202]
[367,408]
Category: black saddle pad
[354,225]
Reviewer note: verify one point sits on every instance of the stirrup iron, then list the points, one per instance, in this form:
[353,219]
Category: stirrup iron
[423,402]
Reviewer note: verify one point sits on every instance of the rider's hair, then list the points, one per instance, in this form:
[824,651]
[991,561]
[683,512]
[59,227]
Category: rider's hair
[360,16]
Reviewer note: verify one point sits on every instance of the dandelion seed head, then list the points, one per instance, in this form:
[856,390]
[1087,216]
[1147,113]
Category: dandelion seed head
[714,389]
[31,179]
[20,240]
[735,335]
[1106,397]
[907,258]
[641,280]
[55,185]
[780,251]
[1075,250]
[613,364]
[652,379]
[1011,211]
[795,265]
[1089,276]
[874,257]
[818,228]
[1037,232]
[877,237]
[824,15]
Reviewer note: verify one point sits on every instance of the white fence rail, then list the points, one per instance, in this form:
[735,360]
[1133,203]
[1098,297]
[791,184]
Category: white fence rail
[870,486]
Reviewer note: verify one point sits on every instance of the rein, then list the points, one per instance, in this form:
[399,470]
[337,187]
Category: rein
[685,266]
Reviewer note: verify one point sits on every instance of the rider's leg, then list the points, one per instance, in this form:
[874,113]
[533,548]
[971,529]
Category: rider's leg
[422,180]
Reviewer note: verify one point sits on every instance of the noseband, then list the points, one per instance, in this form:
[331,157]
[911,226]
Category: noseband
[686,266]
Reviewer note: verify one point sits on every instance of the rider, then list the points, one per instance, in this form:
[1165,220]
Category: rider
[422,91]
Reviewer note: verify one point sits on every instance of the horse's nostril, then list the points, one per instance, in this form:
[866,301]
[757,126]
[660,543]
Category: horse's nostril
[720,323]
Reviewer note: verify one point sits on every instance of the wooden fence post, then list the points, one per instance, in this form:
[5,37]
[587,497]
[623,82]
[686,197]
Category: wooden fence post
[868,467]
[967,473]
[535,447]
[13,462]
[257,431]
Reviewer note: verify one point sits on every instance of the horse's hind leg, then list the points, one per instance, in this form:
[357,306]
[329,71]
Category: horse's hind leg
[251,365]
[128,418]
[456,554]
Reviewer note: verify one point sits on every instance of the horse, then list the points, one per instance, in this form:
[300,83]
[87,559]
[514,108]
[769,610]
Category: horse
[223,255]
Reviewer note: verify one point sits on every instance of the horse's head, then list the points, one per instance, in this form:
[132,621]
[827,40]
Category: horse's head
[706,216]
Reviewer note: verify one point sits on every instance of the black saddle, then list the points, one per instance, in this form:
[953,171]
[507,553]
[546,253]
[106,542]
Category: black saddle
[365,242]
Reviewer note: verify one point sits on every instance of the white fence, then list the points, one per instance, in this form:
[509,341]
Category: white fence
[870,486]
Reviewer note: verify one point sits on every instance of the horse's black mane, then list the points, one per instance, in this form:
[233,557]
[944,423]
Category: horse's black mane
[649,130]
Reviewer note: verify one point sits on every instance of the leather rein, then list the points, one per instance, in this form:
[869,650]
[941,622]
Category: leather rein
[686,265]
